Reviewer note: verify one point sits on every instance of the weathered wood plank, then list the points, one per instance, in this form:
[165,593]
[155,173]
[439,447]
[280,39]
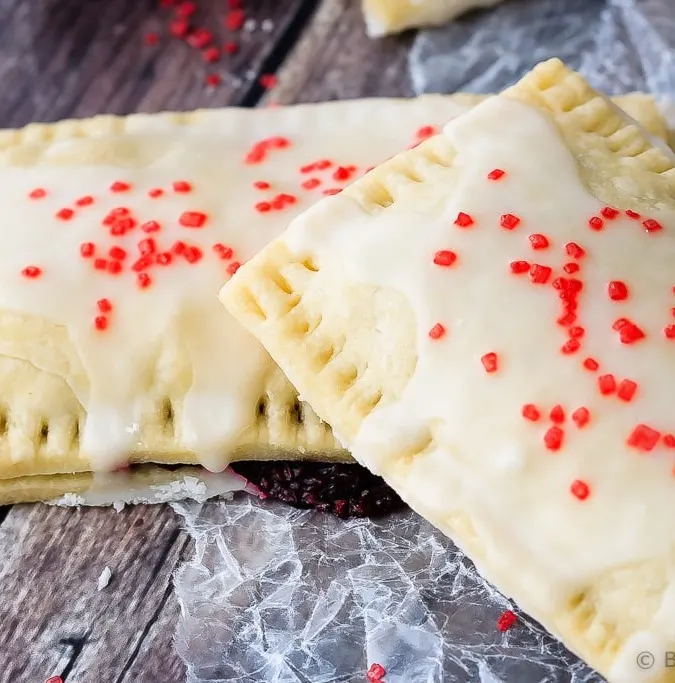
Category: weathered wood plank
[65,58]
[54,620]
[334,59]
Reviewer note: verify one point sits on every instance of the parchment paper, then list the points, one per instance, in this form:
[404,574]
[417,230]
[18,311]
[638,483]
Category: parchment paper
[277,595]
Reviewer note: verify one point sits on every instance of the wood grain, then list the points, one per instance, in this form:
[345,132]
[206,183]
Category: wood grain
[334,59]
[68,58]
[53,618]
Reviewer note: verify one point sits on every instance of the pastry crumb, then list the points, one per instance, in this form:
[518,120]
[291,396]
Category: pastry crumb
[104,579]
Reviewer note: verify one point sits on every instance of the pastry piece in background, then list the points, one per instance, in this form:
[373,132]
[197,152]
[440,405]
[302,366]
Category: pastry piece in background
[487,322]
[383,17]
[119,232]
[114,349]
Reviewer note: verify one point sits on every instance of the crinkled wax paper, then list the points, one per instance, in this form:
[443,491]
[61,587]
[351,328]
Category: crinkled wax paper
[281,595]
[278,595]
[619,45]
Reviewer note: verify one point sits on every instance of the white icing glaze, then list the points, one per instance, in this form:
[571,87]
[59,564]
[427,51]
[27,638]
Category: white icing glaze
[485,458]
[174,333]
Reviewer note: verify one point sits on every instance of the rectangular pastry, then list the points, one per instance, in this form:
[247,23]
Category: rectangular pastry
[487,322]
[119,232]
[171,379]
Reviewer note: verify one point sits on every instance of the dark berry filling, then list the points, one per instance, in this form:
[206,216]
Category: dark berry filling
[345,490]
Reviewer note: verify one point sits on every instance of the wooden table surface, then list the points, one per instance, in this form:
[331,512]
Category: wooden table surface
[77,58]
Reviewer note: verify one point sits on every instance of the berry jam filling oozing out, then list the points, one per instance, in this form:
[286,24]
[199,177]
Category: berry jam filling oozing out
[345,490]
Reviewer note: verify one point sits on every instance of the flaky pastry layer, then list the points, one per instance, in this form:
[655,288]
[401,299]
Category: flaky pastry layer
[360,351]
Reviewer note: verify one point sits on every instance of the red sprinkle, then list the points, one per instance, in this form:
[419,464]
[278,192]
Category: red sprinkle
[557,414]
[104,305]
[332,191]
[37,193]
[31,272]
[100,264]
[629,332]
[223,251]
[489,361]
[233,267]
[193,254]
[375,673]
[155,192]
[142,263]
[192,219]
[509,221]
[234,20]
[144,280]
[311,183]
[341,174]
[571,268]
[425,132]
[574,250]
[553,438]
[230,47]
[530,412]
[596,223]
[200,38]
[100,322]
[182,186]
[211,55]
[539,241]
[617,290]
[669,332]
[651,225]
[580,489]
[151,38]
[609,212]
[506,621]
[669,440]
[626,390]
[119,186]
[643,438]
[114,267]
[84,201]
[164,259]
[580,417]
[591,364]
[87,249]
[437,331]
[213,80]
[496,174]
[263,207]
[607,384]
[267,81]
[519,267]
[261,185]
[577,332]
[632,214]
[570,346]
[566,319]
[65,214]
[186,9]
[463,220]
[539,274]
[151,226]
[445,257]
[117,253]
[179,28]
[54,679]
[147,246]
